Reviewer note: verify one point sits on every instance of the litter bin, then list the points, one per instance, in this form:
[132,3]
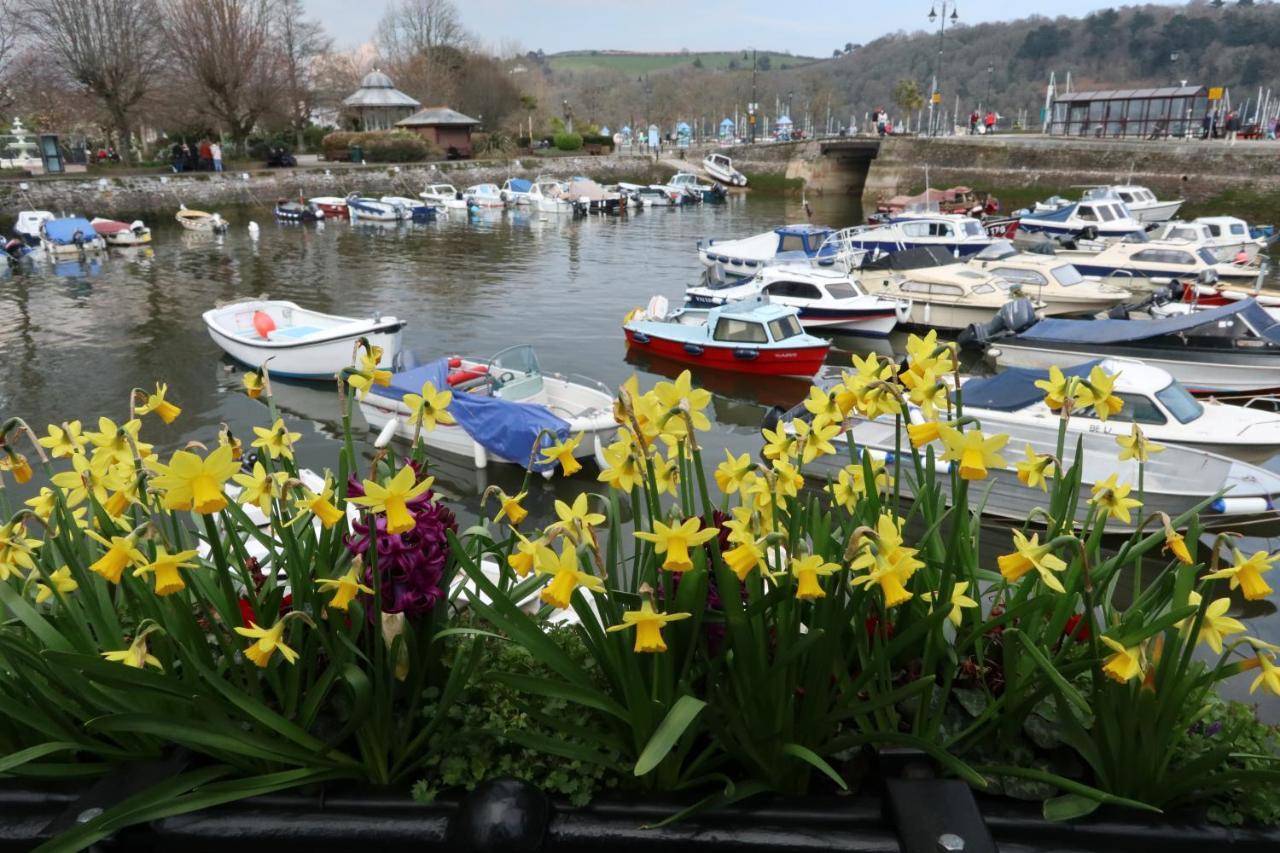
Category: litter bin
[357,154]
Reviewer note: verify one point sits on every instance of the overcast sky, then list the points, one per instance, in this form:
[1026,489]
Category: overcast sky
[811,28]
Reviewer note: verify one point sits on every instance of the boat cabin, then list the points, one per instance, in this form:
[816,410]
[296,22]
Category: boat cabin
[686,180]
[944,225]
[753,321]
[1129,194]
[722,161]
[1026,269]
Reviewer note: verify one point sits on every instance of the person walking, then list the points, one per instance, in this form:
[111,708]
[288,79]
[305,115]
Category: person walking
[1205,124]
[215,152]
[974,118]
[1233,126]
[991,121]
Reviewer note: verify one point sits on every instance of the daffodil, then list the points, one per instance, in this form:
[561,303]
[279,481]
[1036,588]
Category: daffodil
[576,518]
[827,404]
[510,507]
[1097,393]
[926,391]
[253,384]
[344,588]
[268,641]
[115,443]
[1136,446]
[191,483]
[277,441]
[527,553]
[165,567]
[887,562]
[815,439]
[1114,498]
[566,576]
[1057,388]
[156,402]
[681,395]
[563,453]
[787,480]
[97,477]
[806,570]
[61,580]
[430,407]
[624,470]
[321,505]
[1269,678]
[1176,543]
[730,473]
[392,499]
[743,558]
[120,554]
[648,624]
[1126,664]
[65,440]
[16,550]
[227,439]
[1215,625]
[1030,554]
[675,540]
[1246,574]
[642,412]
[1035,469]
[260,488]
[926,355]
[136,656]
[959,601]
[974,451]
[779,442]
[366,374]
[870,386]
[666,475]
[923,433]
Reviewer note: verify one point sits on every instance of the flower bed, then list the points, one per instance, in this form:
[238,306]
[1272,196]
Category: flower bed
[730,637]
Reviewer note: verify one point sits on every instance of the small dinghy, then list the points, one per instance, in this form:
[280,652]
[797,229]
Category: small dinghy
[720,167]
[444,196]
[501,405]
[373,210]
[301,344]
[332,206]
[70,237]
[122,234]
[298,211]
[750,336]
[412,208]
[652,195]
[201,221]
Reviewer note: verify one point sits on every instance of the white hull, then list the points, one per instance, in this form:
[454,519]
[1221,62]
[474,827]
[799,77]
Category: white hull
[73,250]
[1159,212]
[1199,377]
[203,224]
[553,205]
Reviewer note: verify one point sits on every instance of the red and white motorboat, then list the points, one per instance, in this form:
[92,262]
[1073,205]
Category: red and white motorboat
[332,206]
[751,336]
[121,234]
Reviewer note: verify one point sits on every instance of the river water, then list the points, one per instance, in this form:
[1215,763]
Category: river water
[76,340]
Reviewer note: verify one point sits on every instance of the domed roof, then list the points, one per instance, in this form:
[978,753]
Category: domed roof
[375,79]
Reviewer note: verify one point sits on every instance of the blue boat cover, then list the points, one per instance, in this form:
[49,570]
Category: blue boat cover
[63,231]
[1015,388]
[520,185]
[1062,214]
[1122,331]
[503,427]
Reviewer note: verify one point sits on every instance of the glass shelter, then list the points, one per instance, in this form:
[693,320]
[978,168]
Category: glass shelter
[1174,111]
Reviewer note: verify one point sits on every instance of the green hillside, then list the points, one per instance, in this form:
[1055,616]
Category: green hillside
[644,63]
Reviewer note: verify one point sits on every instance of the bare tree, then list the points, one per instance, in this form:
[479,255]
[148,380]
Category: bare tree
[420,40]
[111,48]
[227,49]
[301,43]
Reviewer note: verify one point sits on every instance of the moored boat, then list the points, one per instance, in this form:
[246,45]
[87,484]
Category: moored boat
[122,234]
[27,228]
[516,191]
[751,336]
[414,209]
[71,236]
[783,245]
[1141,202]
[548,196]
[332,206]
[300,343]
[957,234]
[373,210]
[297,211]
[720,167]
[1102,218]
[1229,238]
[695,190]
[444,196]
[201,221]
[484,195]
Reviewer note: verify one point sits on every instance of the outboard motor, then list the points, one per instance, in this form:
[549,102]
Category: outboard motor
[1118,312]
[1016,315]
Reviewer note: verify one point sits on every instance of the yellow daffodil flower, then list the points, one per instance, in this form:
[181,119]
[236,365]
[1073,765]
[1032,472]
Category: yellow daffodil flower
[1136,446]
[1216,625]
[97,477]
[1057,388]
[253,384]
[780,443]
[850,486]
[730,473]
[1030,554]
[261,488]
[887,562]
[43,504]
[787,480]
[675,541]
[366,374]
[926,391]
[226,439]
[17,465]
[743,558]
[566,576]
[563,453]
[923,433]
[165,567]
[1097,393]
[974,451]
[959,601]
[826,404]
[1114,498]
[268,642]
[392,499]
[666,475]
[65,440]
[321,505]
[1176,543]
[510,507]
[344,588]
[1269,678]
[1246,574]
[1126,664]
[924,354]
[1035,469]
[430,407]
[575,518]
[868,370]
[624,471]
[527,553]
[683,396]
[806,570]
[156,402]
[648,624]
[277,441]
[191,483]
[120,554]
[62,582]
[136,656]
[112,442]
[16,550]
[815,439]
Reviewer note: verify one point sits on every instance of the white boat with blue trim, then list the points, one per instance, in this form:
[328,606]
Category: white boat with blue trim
[1102,218]
[959,235]
[787,244]
[374,210]
[295,342]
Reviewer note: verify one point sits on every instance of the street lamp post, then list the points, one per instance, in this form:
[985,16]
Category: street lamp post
[986,100]
[938,12]
[753,107]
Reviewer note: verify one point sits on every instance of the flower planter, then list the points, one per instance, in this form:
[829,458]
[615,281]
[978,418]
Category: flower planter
[506,815]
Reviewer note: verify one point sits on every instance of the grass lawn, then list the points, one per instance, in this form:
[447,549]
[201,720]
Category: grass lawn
[643,63]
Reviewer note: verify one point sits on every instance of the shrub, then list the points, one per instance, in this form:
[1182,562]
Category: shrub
[597,139]
[568,141]
[380,146]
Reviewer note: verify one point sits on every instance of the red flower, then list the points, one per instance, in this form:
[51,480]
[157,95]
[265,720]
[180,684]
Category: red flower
[1069,629]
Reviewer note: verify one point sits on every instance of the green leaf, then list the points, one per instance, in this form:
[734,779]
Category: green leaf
[1065,784]
[22,756]
[807,755]
[559,690]
[1046,666]
[1069,807]
[682,714]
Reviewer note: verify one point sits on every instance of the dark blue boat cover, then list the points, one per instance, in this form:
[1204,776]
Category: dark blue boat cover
[1015,388]
[1062,214]
[63,231]
[502,427]
[1122,331]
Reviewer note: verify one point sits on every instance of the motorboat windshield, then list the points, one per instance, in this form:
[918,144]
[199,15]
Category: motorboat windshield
[515,373]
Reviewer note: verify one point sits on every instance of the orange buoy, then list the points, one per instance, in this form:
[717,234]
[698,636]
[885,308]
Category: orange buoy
[263,324]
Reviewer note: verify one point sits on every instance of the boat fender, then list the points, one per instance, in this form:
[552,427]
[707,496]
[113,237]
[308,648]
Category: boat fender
[639,337]
[743,353]
[459,376]
[903,310]
[695,349]
[1241,506]
[263,324]
[455,363]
